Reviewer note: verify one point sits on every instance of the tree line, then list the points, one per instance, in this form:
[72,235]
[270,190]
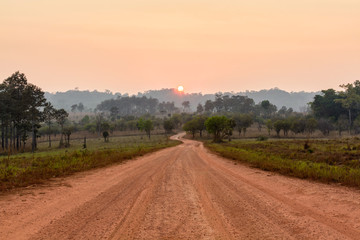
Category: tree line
[23,108]
[24,112]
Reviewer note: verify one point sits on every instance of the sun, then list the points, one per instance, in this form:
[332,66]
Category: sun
[180,88]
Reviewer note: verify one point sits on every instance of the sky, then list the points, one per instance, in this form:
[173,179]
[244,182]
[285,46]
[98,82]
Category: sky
[205,45]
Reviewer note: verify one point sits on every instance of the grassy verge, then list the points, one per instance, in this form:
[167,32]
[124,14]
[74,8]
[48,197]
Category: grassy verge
[323,160]
[25,169]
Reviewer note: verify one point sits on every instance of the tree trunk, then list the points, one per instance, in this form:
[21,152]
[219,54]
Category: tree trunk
[61,136]
[11,136]
[17,140]
[349,121]
[6,136]
[33,145]
[49,135]
[2,136]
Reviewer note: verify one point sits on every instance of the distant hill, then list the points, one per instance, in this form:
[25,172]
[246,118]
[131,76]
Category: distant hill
[89,99]
[295,100]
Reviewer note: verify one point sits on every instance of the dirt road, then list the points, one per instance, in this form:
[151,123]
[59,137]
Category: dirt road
[183,192]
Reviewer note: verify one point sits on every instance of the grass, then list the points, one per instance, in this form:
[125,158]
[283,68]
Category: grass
[25,169]
[323,160]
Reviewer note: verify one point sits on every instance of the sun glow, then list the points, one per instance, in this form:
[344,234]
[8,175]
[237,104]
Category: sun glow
[180,88]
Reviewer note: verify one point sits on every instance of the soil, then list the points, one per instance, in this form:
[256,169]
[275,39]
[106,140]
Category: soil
[184,192]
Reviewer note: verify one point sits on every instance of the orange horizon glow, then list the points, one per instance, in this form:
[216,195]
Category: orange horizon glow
[208,46]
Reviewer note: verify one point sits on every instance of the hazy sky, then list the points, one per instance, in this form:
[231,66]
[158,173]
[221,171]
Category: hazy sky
[205,45]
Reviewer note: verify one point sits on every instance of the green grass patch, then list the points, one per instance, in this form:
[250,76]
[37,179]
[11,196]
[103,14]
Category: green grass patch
[323,160]
[24,169]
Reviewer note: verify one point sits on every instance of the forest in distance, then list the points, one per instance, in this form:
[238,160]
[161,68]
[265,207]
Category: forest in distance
[295,100]
[25,113]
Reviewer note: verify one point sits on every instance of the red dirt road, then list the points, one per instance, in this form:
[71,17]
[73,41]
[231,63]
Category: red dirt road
[183,192]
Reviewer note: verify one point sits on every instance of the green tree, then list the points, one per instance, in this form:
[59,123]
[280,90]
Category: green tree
[325,126]
[67,131]
[269,126]
[168,125]
[35,97]
[146,125]
[342,124]
[311,125]
[200,108]
[219,126]
[114,112]
[327,105]
[85,120]
[186,106]
[350,100]
[61,116]
[74,107]
[200,124]
[298,125]
[49,115]
[191,127]
[80,107]
[243,122]
[278,125]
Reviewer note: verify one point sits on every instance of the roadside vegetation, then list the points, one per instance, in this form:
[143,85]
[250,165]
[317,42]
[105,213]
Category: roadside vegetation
[320,144]
[32,168]
[323,160]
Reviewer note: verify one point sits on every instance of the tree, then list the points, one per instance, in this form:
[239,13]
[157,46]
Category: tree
[35,97]
[136,106]
[74,107]
[342,124]
[356,125]
[278,126]
[148,126]
[191,127]
[85,120]
[325,126]
[186,106]
[67,132]
[176,119]
[168,125]
[298,125]
[311,125]
[145,125]
[200,123]
[114,112]
[209,106]
[80,107]
[267,109]
[61,116]
[350,100]
[243,121]
[200,108]
[219,126]
[269,126]
[260,121]
[286,126]
[105,126]
[327,105]
[49,115]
